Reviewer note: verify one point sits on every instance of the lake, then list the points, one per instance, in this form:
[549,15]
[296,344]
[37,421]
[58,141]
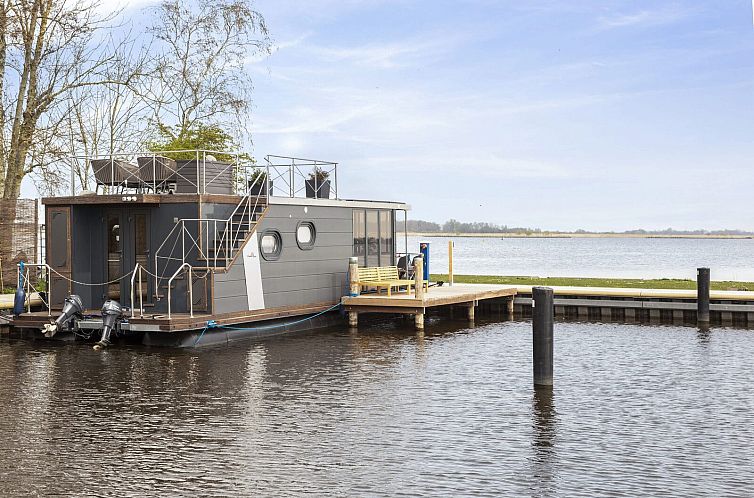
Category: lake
[728,259]
[636,410]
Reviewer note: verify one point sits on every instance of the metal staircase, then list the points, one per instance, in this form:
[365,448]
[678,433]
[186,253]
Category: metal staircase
[199,247]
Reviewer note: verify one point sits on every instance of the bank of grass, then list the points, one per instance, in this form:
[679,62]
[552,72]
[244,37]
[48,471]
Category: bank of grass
[633,283]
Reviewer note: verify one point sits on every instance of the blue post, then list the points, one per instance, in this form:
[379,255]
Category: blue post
[20,297]
[424,249]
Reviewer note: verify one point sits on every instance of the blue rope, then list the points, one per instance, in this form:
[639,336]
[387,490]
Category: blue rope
[213,324]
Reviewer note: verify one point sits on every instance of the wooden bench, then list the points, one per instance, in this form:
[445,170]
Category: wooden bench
[383,277]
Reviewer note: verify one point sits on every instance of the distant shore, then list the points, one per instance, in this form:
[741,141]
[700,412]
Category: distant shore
[565,235]
[632,283]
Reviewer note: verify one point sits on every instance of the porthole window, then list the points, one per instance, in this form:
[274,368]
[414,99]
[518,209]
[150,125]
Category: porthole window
[271,245]
[305,235]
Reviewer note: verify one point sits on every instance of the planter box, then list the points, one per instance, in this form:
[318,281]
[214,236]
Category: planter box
[322,190]
[259,188]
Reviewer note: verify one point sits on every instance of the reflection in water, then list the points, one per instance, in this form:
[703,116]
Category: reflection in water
[383,411]
[544,424]
[703,333]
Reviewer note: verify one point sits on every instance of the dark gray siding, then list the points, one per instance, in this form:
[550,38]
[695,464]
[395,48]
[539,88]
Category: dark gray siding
[230,289]
[301,277]
[89,262]
[218,176]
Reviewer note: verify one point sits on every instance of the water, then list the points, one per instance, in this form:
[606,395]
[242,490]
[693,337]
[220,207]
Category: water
[729,259]
[637,410]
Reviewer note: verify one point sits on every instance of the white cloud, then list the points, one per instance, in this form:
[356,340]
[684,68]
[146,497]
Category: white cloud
[645,18]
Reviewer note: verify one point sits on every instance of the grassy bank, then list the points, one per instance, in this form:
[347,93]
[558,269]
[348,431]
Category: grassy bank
[662,283]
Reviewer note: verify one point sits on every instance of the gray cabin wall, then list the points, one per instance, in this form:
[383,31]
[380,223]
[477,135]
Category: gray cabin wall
[302,277]
[229,288]
[229,292]
[89,248]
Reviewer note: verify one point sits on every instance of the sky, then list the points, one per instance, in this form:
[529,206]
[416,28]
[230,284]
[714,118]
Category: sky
[585,114]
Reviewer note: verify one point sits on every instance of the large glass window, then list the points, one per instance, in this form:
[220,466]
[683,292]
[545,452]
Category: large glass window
[386,237]
[114,255]
[359,236]
[373,238]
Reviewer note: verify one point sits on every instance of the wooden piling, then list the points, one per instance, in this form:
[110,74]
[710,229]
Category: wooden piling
[471,312]
[353,272]
[419,277]
[419,290]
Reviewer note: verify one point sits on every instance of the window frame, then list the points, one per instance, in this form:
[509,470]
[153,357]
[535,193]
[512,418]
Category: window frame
[273,256]
[306,246]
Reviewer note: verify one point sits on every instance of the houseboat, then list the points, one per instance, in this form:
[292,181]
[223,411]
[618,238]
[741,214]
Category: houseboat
[194,248]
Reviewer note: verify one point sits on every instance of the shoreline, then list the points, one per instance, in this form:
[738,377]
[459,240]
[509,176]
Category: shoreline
[562,235]
[631,283]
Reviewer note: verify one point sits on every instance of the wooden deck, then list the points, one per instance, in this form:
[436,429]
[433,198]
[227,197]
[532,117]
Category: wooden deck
[402,302]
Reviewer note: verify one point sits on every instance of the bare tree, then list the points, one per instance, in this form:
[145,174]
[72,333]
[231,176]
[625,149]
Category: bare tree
[200,73]
[97,120]
[49,49]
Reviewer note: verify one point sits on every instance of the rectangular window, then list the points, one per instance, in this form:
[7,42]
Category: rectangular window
[359,236]
[386,236]
[373,238]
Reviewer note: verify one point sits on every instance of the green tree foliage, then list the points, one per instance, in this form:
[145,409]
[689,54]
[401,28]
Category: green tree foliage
[200,137]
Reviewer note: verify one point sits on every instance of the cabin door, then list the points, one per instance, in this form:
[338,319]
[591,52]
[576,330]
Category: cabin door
[127,243]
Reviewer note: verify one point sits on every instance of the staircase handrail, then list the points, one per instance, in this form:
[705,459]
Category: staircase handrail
[190,286]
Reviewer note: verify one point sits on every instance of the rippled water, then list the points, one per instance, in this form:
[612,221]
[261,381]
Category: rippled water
[636,410]
[729,259]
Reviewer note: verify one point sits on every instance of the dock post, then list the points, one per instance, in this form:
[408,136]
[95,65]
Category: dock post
[419,321]
[419,290]
[450,263]
[702,295]
[542,328]
[353,274]
[509,303]
[471,311]
[419,277]
[353,289]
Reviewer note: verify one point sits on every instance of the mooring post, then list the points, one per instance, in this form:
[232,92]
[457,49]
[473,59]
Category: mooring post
[471,311]
[419,290]
[702,295]
[450,263]
[353,288]
[542,328]
[509,304]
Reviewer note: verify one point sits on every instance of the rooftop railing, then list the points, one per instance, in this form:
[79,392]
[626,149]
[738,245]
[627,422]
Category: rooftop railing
[298,177]
[202,172]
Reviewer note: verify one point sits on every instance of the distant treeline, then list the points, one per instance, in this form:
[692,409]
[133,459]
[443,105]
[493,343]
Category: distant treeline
[455,226]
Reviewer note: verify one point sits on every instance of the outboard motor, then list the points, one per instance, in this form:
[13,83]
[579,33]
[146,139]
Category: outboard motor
[72,307]
[112,312]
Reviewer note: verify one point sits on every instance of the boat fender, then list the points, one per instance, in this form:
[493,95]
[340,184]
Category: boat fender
[20,298]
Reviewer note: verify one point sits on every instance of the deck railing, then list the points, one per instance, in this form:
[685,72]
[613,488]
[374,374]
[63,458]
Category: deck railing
[194,171]
[298,177]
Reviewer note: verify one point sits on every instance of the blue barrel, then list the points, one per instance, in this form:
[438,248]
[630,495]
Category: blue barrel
[424,249]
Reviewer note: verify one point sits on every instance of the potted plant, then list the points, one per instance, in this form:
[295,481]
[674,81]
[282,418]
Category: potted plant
[258,182]
[318,185]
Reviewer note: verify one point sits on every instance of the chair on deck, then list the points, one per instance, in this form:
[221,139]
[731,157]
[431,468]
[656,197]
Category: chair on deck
[157,171]
[115,173]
